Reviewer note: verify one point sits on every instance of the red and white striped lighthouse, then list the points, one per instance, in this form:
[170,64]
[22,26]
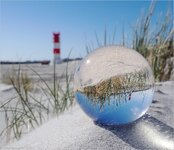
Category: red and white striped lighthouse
[56,50]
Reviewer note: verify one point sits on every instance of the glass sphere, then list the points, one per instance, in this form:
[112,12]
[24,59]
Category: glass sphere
[114,85]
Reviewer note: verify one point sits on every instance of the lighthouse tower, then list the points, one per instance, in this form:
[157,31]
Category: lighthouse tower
[56,49]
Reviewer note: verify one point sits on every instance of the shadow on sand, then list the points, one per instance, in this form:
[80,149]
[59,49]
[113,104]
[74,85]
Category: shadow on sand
[145,133]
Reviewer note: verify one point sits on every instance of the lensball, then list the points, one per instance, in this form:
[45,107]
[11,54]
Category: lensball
[114,85]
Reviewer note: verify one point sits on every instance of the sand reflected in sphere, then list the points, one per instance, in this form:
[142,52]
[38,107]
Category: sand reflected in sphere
[114,85]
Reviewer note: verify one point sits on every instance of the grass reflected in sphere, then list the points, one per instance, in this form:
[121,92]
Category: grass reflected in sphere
[114,85]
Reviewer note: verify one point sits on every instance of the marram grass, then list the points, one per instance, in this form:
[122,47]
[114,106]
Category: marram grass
[117,85]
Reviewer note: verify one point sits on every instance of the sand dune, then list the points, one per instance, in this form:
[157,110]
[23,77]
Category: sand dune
[74,130]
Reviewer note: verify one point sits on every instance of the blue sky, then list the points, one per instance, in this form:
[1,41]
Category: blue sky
[26,27]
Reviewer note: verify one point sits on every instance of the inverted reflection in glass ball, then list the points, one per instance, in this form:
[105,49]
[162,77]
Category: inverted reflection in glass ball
[114,85]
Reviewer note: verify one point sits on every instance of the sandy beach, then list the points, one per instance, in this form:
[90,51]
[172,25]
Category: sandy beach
[73,130]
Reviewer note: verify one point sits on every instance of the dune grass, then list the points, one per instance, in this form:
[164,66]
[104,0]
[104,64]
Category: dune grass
[155,43]
[25,110]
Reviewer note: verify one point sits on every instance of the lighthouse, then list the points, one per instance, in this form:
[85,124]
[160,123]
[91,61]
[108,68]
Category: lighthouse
[56,49]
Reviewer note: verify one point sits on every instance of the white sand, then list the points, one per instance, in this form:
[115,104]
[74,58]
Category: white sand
[72,130]
[75,131]
[4,87]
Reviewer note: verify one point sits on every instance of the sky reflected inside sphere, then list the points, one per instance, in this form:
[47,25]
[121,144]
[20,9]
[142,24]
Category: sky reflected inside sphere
[114,85]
